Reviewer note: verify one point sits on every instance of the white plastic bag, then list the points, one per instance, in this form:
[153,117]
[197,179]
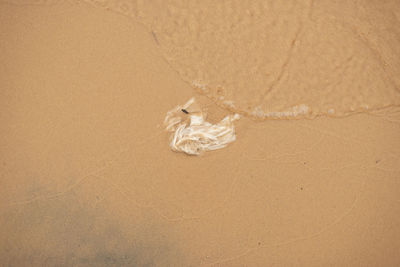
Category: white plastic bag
[193,135]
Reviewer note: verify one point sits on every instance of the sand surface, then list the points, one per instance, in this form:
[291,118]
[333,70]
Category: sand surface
[87,176]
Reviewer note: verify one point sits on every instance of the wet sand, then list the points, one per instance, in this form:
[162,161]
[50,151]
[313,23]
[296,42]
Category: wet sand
[88,178]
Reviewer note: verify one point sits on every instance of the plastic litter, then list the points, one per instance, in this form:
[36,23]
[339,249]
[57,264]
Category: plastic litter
[192,134]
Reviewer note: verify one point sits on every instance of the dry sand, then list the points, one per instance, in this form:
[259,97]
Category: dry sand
[88,178]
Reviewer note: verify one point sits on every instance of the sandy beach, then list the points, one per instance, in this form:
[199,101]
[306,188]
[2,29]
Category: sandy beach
[87,174]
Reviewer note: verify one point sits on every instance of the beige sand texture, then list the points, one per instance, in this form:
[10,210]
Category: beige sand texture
[87,175]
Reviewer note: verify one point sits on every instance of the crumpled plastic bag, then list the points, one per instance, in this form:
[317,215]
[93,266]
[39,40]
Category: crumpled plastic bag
[193,135]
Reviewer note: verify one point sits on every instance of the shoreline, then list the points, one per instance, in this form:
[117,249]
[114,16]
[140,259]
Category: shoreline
[89,178]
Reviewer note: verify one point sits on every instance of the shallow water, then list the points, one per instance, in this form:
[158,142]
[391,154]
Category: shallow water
[268,60]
